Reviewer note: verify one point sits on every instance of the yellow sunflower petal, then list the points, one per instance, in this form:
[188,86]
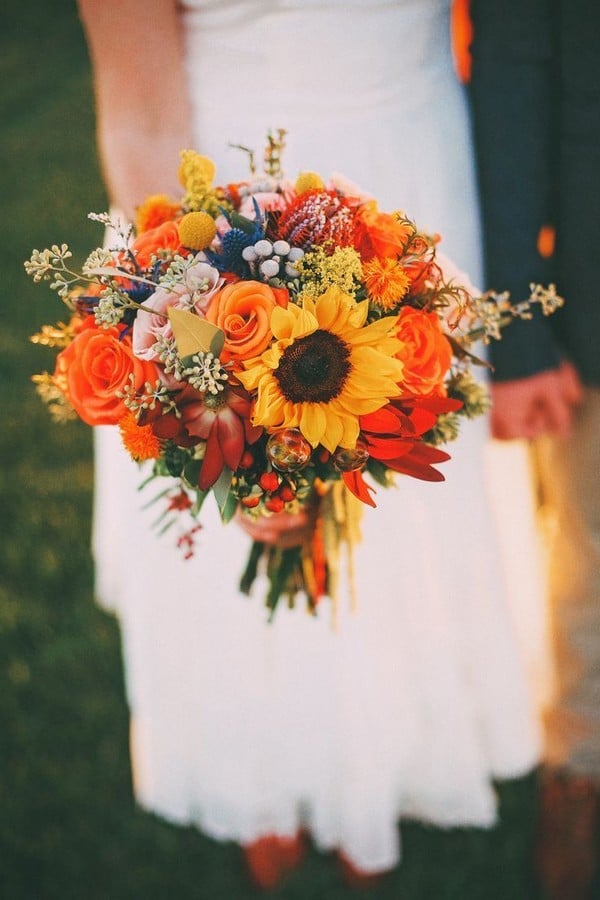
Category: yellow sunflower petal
[305,323]
[359,314]
[269,410]
[255,371]
[362,406]
[328,306]
[360,385]
[369,360]
[272,355]
[351,431]
[282,321]
[334,432]
[313,422]
[291,414]
[308,305]
[376,331]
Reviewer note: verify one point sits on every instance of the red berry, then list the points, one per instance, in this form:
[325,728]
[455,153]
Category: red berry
[274,504]
[286,493]
[324,455]
[251,501]
[269,481]
[247,460]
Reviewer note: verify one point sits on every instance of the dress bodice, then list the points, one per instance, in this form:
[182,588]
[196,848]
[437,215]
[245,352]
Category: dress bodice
[366,88]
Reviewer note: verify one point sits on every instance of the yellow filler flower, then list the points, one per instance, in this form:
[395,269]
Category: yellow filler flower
[325,368]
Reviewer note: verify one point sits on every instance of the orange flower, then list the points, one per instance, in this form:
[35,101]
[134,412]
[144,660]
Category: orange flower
[154,211]
[426,352]
[386,282]
[164,237]
[378,233]
[139,440]
[243,311]
[95,366]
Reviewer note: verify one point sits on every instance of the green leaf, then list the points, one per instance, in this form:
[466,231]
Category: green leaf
[379,471]
[283,563]
[244,224]
[191,472]
[229,510]
[199,501]
[222,488]
[192,333]
[249,574]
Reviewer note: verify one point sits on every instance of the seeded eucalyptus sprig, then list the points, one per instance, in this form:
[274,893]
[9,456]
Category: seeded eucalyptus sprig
[50,265]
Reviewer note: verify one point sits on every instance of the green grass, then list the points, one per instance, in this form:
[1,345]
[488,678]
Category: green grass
[68,824]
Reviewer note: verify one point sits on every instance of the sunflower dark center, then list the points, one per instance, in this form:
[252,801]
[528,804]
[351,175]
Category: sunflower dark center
[314,368]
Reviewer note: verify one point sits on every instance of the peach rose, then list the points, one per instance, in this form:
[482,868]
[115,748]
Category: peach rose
[94,367]
[243,311]
[426,351]
[378,233]
[164,237]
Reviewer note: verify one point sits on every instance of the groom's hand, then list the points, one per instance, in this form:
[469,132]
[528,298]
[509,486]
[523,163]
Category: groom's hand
[541,404]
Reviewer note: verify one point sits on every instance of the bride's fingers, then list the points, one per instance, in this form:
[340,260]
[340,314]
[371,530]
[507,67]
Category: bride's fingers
[281,529]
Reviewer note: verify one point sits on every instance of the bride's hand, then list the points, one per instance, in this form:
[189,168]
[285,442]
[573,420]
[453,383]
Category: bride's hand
[281,529]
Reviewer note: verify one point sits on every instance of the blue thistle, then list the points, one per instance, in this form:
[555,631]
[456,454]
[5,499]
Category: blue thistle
[243,233]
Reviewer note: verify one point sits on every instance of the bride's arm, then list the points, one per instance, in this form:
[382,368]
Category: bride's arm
[142,108]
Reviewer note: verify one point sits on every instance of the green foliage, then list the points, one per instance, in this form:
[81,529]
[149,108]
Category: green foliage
[69,829]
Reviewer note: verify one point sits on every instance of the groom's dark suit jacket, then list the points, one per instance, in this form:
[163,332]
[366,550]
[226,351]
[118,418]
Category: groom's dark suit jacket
[536,109]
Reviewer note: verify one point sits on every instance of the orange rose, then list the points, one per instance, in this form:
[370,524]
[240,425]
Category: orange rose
[378,233]
[426,351]
[243,311]
[164,237]
[94,367]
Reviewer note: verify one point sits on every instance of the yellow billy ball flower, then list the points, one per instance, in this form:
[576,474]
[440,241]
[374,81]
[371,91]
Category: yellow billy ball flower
[197,230]
[309,181]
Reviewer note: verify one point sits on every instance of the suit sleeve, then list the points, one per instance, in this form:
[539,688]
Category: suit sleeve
[512,102]
[578,212]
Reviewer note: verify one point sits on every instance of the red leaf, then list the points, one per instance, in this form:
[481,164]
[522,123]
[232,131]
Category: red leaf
[231,437]
[387,447]
[436,404]
[422,420]
[384,420]
[213,462]
[359,487]
[418,463]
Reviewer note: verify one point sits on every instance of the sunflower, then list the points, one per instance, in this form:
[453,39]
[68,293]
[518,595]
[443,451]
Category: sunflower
[325,368]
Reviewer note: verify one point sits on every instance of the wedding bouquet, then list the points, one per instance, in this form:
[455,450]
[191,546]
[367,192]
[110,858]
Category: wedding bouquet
[276,343]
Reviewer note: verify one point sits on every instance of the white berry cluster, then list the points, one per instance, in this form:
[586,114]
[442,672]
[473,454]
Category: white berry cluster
[267,258]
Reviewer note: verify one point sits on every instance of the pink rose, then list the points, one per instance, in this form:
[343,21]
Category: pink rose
[201,282]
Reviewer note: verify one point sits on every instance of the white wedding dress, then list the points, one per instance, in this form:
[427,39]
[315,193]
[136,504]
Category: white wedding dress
[419,699]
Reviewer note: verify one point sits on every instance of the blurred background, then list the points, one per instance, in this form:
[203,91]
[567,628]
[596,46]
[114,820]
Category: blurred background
[68,824]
